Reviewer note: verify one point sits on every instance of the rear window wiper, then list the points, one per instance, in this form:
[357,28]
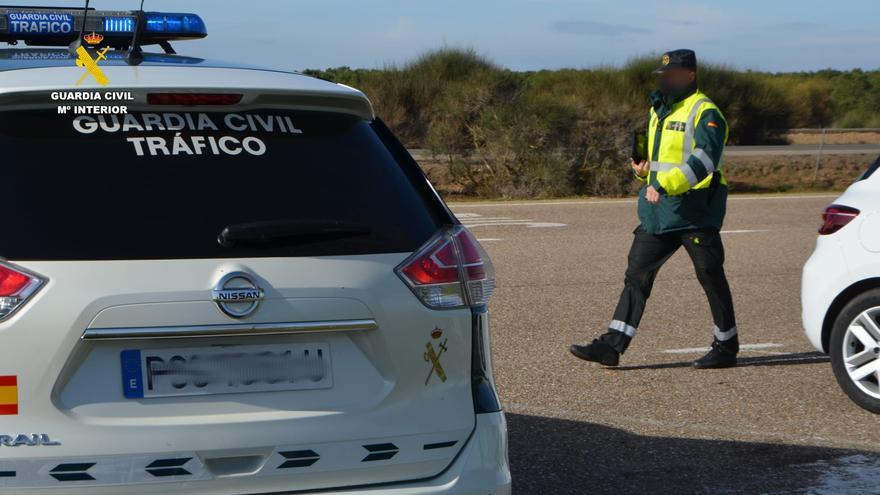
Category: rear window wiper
[280,232]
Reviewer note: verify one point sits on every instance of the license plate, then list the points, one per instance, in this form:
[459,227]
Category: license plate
[149,373]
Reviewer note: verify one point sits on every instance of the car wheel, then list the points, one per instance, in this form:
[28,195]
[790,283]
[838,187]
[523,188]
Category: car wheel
[855,350]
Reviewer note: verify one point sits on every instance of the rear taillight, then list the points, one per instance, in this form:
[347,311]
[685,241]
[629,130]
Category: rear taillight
[450,271]
[835,217]
[16,287]
[194,99]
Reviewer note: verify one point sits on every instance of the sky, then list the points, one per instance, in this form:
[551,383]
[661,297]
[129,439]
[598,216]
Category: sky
[769,35]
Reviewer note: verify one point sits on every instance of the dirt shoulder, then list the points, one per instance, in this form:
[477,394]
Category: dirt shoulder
[745,174]
[836,137]
[794,173]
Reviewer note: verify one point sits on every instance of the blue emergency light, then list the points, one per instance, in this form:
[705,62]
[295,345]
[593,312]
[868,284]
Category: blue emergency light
[158,22]
[50,26]
[182,24]
[119,24]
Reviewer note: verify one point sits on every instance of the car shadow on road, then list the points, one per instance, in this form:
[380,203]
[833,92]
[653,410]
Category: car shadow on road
[771,360]
[552,456]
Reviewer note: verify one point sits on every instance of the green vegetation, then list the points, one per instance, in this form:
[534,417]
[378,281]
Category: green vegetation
[555,133]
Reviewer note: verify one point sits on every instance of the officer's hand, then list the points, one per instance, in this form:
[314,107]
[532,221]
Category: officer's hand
[641,169]
[652,195]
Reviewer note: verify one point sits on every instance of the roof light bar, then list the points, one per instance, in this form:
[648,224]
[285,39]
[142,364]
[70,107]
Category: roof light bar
[50,26]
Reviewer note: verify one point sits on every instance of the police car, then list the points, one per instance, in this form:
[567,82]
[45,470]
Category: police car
[226,280]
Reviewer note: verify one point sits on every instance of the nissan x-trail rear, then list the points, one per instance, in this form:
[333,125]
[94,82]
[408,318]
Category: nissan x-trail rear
[221,280]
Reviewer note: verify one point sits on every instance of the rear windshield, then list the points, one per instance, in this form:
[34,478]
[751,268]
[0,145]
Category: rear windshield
[873,168]
[160,185]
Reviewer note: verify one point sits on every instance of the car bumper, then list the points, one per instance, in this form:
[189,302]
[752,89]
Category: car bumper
[481,468]
[825,276]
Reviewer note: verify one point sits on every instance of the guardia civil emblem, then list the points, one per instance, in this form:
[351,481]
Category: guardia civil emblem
[432,355]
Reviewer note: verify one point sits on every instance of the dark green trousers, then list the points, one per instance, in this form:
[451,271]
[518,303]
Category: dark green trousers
[648,253]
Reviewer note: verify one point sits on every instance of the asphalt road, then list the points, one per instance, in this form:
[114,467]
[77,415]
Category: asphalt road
[777,424]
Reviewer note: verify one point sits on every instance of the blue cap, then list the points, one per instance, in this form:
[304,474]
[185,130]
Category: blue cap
[678,59]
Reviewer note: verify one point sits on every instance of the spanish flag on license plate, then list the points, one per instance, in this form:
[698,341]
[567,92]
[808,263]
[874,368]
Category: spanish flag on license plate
[8,395]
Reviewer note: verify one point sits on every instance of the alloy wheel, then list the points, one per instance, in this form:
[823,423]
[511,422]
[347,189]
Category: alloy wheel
[861,351]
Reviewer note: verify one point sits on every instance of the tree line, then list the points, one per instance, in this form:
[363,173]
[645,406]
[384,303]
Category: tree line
[505,133]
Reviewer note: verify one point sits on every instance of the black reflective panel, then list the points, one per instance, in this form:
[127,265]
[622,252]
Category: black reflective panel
[163,185]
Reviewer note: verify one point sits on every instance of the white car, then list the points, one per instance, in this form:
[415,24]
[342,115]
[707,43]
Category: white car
[841,290]
[226,280]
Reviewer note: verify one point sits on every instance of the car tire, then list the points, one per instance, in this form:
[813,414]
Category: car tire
[865,392]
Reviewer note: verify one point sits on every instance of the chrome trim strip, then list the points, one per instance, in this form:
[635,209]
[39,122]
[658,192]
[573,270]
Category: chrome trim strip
[231,330]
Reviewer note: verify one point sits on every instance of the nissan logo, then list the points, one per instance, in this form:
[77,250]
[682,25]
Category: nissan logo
[237,295]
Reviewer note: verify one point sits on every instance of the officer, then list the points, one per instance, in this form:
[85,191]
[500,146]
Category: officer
[682,203]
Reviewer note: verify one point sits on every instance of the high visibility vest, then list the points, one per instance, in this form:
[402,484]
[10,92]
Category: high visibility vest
[678,144]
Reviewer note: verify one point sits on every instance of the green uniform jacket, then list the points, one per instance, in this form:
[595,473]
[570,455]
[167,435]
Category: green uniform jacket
[698,208]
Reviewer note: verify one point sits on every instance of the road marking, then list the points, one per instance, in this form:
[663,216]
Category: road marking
[473,220]
[526,223]
[632,201]
[743,347]
[743,231]
[469,216]
[490,240]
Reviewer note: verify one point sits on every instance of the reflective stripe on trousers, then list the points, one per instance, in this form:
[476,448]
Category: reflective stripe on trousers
[725,336]
[622,327]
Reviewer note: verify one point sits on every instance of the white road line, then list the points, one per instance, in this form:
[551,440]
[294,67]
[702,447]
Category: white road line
[526,223]
[546,225]
[743,347]
[473,217]
[490,240]
[743,231]
[544,203]
[473,220]
[500,221]
[489,220]
[632,201]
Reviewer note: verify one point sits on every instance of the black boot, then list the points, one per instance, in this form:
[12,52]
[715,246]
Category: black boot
[719,356]
[597,352]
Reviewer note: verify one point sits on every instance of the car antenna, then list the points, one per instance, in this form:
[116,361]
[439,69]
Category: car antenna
[82,31]
[135,54]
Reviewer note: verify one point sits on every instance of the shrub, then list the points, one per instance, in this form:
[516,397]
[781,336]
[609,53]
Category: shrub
[552,133]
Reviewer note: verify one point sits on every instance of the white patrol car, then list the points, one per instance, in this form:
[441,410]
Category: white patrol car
[225,280]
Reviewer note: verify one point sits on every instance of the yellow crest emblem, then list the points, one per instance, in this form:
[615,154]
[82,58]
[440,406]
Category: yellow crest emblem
[665,60]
